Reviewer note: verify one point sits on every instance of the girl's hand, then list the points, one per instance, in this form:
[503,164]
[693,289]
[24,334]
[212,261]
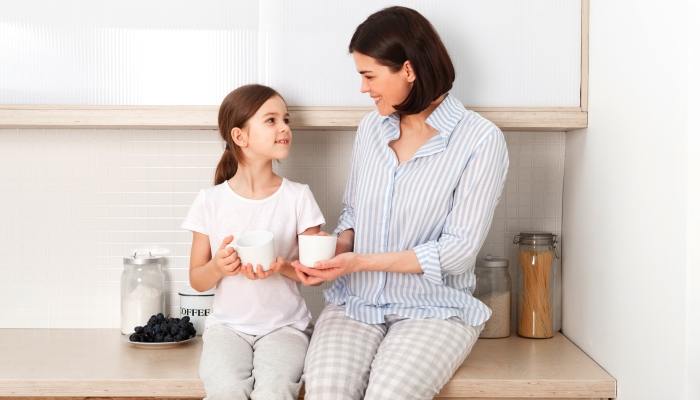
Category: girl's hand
[258,273]
[323,271]
[226,259]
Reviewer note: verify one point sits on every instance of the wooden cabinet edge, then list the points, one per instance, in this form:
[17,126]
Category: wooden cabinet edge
[307,118]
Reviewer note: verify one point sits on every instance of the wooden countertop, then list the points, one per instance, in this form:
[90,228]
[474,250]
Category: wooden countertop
[97,363]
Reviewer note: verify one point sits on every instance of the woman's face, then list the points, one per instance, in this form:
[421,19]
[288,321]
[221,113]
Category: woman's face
[386,88]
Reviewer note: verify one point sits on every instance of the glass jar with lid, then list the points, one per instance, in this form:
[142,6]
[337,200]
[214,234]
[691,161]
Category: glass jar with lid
[142,290]
[493,287]
[536,252]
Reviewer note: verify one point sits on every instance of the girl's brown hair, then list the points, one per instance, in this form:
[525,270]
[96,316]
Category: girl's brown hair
[237,108]
[397,34]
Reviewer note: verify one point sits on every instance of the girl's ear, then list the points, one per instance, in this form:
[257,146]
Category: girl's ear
[408,71]
[239,137]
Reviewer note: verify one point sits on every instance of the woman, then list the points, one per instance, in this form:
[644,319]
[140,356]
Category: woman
[425,177]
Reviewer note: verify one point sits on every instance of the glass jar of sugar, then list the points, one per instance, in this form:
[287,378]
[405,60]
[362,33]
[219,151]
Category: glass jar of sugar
[493,286]
[142,290]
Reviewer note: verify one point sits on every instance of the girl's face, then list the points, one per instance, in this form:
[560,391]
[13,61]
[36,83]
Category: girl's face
[386,88]
[267,135]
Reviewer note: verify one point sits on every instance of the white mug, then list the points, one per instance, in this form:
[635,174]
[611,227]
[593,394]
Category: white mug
[316,248]
[255,248]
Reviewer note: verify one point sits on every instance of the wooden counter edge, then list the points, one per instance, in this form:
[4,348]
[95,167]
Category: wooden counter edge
[102,388]
[195,388]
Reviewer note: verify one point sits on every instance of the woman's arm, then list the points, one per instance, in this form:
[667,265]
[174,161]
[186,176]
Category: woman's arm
[206,271]
[404,262]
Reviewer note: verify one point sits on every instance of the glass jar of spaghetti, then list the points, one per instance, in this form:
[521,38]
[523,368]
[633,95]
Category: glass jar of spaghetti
[536,251]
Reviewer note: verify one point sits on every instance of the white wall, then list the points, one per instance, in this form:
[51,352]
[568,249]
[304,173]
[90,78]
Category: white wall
[73,203]
[626,191]
[693,239]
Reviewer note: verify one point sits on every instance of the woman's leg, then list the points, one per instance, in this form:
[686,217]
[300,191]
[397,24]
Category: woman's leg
[418,356]
[226,363]
[339,356]
[278,361]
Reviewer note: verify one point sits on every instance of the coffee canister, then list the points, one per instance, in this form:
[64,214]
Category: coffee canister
[536,251]
[197,306]
[493,286]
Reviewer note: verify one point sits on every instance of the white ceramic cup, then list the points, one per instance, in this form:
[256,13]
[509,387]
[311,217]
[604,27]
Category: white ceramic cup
[316,248]
[255,248]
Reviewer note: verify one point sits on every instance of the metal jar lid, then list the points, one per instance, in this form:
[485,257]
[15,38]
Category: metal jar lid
[491,262]
[538,238]
[136,260]
[535,238]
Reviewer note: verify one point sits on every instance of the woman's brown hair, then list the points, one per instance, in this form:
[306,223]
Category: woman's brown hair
[397,34]
[237,108]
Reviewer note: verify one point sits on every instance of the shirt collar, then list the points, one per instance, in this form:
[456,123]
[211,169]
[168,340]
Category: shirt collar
[444,118]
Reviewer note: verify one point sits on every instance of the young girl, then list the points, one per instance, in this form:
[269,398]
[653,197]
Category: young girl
[256,337]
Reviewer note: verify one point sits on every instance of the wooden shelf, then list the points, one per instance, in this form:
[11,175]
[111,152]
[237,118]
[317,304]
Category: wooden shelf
[97,363]
[205,117]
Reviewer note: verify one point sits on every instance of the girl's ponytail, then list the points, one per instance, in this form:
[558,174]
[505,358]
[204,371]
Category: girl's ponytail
[237,108]
[228,165]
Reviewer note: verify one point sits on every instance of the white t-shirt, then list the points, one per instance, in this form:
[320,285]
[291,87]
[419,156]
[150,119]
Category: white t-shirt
[261,306]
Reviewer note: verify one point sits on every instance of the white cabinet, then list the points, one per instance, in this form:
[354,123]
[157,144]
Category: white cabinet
[508,53]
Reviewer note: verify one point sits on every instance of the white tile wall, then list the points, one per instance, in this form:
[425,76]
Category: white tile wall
[74,202]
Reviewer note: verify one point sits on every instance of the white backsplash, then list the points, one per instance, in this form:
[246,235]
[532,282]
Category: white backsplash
[74,202]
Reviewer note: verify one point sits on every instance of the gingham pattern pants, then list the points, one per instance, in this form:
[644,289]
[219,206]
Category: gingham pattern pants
[400,359]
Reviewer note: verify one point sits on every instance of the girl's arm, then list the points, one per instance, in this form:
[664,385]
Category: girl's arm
[206,271]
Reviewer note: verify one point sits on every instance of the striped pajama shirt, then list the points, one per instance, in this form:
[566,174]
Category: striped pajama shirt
[440,204]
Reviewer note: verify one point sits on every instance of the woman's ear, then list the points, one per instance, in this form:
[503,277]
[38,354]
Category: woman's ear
[239,137]
[408,70]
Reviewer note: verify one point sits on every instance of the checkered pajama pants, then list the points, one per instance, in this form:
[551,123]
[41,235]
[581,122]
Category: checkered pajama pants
[400,359]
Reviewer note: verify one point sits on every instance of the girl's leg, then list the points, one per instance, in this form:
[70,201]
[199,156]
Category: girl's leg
[226,364]
[278,361]
[418,356]
[340,355]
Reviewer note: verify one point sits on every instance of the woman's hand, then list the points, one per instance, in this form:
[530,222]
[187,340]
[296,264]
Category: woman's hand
[328,270]
[258,273]
[226,259]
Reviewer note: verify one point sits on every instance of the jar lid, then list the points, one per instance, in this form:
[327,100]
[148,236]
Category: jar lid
[140,260]
[535,238]
[189,291]
[491,262]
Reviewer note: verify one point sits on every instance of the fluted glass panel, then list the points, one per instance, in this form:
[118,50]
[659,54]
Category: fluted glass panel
[126,52]
[523,53]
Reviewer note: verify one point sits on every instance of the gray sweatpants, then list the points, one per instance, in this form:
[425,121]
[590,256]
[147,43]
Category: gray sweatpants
[235,365]
[400,359]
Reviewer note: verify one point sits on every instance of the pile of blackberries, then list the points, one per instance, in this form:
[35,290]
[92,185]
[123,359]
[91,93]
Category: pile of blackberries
[163,329]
